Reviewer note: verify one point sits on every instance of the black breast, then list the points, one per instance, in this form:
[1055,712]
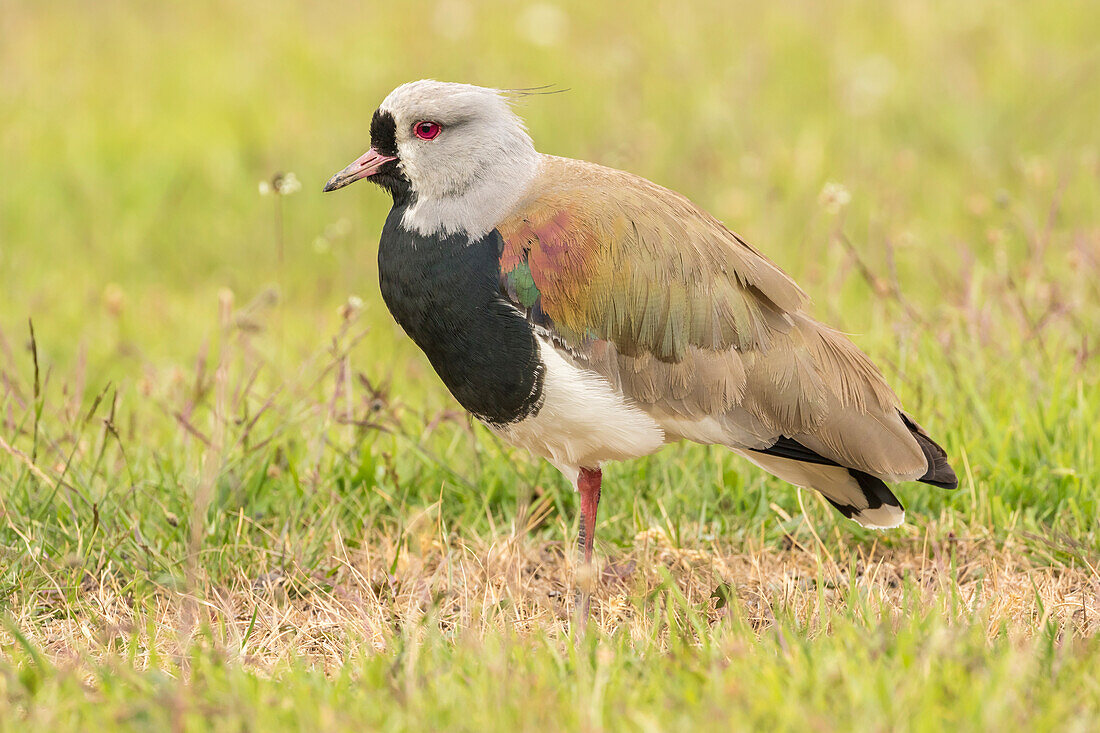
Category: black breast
[445,293]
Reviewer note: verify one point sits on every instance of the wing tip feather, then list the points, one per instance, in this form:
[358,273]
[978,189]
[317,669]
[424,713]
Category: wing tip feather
[939,473]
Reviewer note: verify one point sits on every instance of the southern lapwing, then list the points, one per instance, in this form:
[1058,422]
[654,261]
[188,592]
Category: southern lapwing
[589,315]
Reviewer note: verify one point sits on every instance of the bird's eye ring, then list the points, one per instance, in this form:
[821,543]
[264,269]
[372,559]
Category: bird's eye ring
[427,130]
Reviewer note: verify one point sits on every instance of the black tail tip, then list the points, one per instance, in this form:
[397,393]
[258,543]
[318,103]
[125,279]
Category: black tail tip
[882,510]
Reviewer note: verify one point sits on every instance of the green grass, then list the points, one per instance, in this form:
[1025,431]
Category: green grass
[214,394]
[923,676]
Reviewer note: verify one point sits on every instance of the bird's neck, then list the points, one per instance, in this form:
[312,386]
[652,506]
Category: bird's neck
[479,208]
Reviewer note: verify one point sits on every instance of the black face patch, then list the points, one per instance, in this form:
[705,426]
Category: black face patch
[383,133]
[383,138]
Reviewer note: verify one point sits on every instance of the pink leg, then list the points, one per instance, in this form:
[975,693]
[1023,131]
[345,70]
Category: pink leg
[588,484]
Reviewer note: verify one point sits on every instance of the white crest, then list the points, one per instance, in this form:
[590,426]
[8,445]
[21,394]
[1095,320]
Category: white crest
[473,174]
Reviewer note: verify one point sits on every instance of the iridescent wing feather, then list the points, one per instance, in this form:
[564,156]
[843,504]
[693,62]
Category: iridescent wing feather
[691,322]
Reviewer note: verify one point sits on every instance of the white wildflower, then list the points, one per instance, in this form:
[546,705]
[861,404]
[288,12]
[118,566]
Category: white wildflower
[834,197]
[288,184]
[351,307]
[265,188]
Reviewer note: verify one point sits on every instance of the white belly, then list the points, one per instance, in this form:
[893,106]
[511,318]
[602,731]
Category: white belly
[582,421]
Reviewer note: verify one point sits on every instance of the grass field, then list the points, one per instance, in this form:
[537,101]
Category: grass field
[235,496]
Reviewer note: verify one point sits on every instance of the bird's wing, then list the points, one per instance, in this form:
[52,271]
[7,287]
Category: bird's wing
[691,322]
[610,255]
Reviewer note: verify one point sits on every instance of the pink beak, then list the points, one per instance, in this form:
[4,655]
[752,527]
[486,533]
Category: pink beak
[366,165]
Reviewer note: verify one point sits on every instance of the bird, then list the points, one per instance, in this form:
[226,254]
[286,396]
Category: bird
[588,315]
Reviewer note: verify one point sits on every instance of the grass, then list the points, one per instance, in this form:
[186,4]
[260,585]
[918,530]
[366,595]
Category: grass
[235,496]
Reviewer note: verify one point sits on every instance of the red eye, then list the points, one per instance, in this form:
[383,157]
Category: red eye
[427,130]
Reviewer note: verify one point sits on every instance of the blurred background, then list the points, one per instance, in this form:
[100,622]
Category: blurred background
[929,172]
[232,489]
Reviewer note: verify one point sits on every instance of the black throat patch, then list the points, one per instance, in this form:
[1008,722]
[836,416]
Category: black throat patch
[445,292]
[383,138]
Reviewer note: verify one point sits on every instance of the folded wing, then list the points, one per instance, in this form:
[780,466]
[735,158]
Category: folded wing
[693,324]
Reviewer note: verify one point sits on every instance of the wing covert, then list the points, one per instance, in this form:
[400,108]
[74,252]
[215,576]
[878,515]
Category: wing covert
[602,254]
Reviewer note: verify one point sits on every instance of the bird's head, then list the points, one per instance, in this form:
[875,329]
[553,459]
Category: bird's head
[455,153]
